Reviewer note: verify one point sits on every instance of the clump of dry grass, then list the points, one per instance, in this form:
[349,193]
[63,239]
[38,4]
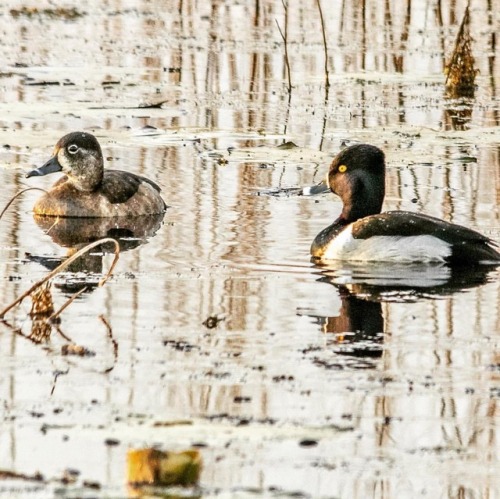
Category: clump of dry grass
[460,71]
[42,308]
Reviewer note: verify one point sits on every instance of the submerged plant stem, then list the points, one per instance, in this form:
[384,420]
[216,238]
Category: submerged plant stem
[68,302]
[113,342]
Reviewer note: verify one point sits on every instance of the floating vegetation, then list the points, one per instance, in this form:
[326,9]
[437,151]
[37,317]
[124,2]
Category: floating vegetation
[14,475]
[460,71]
[59,13]
[287,145]
[159,468]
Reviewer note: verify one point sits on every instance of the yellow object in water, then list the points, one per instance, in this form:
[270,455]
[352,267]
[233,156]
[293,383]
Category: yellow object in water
[155,467]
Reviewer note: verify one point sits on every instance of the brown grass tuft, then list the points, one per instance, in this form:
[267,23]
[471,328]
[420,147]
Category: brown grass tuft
[460,71]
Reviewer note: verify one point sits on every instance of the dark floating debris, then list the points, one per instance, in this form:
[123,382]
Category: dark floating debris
[153,105]
[59,13]
[91,485]
[35,83]
[12,475]
[213,321]
[77,350]
[111,442]
[460,71]
[176,422]
[308,442]
[242,400]
[287,145]
[180,345]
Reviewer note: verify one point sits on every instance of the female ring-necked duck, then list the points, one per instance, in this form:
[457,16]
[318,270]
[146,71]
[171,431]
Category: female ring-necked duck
[88,190]
[361,232]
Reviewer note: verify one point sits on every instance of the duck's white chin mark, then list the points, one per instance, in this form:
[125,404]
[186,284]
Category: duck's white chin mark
[423,248]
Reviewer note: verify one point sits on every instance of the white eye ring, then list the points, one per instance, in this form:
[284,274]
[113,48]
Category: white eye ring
[72,149]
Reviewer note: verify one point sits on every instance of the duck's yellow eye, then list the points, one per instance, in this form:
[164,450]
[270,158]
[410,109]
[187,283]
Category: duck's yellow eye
[342,168]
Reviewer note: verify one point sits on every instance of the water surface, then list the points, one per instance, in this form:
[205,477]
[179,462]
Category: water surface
[338,381]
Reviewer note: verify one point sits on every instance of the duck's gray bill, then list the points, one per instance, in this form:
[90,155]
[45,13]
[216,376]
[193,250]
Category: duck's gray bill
[52,166]
[312,190]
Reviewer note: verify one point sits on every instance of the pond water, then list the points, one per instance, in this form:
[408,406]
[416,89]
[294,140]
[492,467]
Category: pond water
[216,330]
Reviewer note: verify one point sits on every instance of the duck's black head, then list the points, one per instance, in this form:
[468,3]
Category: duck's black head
[79,156]
[357,176]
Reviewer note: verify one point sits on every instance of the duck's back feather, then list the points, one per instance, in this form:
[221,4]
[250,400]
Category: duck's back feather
[119,186]
[404,236]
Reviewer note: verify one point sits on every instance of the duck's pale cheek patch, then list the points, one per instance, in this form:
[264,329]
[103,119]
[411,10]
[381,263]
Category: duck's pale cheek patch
[387,248]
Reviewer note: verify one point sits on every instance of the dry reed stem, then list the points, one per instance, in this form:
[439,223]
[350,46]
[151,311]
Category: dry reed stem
[12,199]
[327,75]
[325,45]
[63,265]
[284,36]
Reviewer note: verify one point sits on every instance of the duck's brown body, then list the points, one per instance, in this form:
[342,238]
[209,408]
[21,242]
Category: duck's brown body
[88,190]
[121,194]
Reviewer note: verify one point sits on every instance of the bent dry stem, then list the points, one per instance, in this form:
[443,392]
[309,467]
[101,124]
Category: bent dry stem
[61,267]
[13,198]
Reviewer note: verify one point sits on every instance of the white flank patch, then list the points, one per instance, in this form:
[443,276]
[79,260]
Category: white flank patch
[387,248]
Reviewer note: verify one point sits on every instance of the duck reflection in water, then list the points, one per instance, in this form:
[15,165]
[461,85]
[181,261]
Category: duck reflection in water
[359,325]
[75,233]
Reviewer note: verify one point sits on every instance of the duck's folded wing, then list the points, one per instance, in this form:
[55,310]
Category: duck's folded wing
[465,244]
[119,186]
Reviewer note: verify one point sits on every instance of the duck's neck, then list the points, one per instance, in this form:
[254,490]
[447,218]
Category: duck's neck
[89,177]
[364,197]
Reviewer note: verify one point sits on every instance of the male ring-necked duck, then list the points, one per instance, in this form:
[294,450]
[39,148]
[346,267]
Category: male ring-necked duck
[88,190]
[361,232]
